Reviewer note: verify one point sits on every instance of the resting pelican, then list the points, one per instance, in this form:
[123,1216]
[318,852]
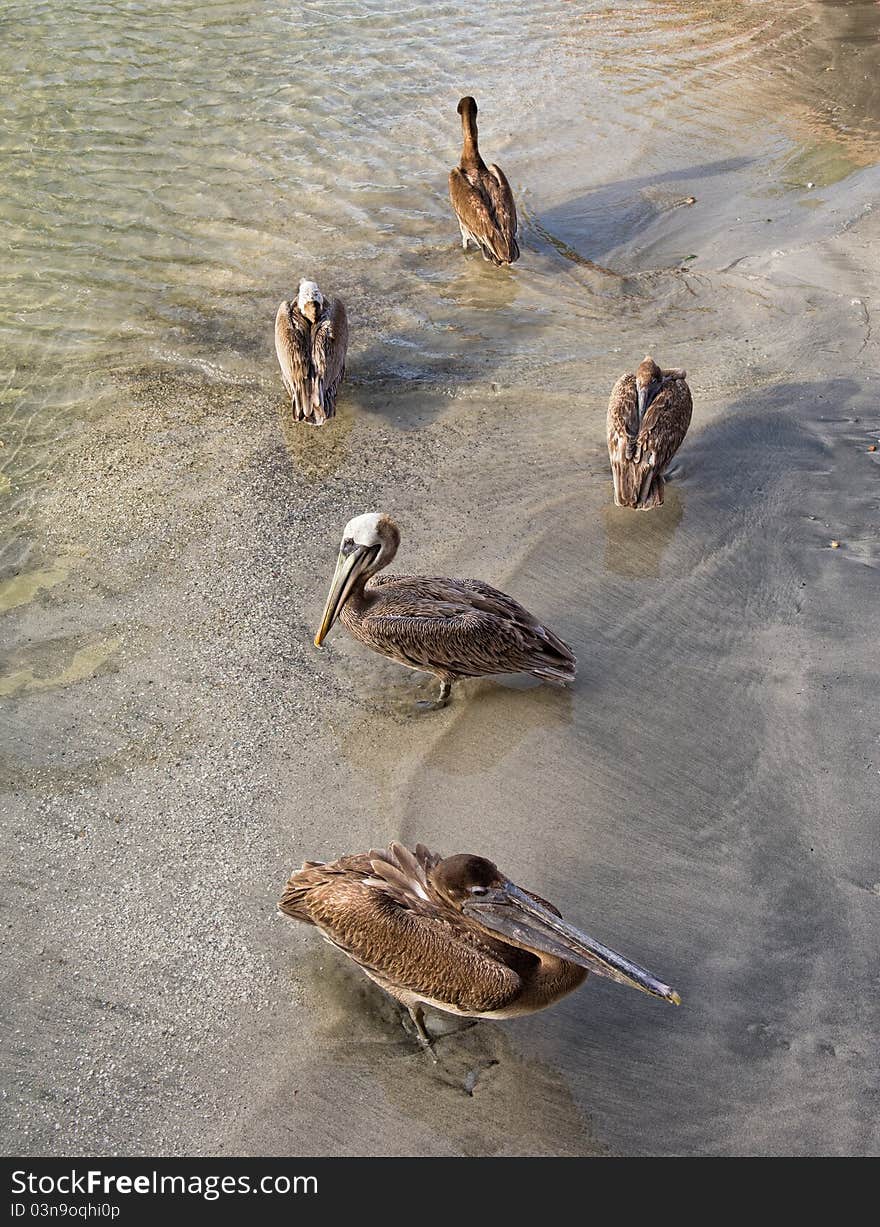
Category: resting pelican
[311,337]
[648,417]
[449,627]
[481,197]
[452,933]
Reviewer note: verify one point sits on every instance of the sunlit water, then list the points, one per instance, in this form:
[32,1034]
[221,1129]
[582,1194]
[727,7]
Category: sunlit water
[170,170]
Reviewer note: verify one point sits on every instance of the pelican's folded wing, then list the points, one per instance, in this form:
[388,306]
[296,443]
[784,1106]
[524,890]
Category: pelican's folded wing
[666,422]
[504,209]
[329,347]
[623,418]
[292,348]
[470,643]
[474,213]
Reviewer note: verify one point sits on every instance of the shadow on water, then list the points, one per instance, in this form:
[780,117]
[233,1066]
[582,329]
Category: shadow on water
[588,227]
[482,318]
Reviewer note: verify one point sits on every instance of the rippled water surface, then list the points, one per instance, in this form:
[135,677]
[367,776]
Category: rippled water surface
[170,171]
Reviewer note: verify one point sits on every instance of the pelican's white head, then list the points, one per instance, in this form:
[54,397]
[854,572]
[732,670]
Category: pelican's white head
[310,300]
[369,542]
[364,529]
[374,533]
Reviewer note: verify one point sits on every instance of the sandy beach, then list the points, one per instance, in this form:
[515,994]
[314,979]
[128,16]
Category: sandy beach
[704,798]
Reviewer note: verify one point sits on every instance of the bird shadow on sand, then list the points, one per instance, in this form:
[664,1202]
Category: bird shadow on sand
[764,441]
[587,228]
[481,1094]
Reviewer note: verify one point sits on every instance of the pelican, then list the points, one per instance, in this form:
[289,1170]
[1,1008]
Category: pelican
[449,627]
[452,933]
[311,337]
[648,417]
[481,197]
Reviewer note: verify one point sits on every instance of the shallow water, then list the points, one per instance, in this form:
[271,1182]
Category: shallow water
[172,741]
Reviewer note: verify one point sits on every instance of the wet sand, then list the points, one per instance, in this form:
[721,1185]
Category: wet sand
[703,799]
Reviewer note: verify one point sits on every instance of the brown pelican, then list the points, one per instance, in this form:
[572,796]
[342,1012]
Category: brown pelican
[648,417]
[481,197]
[452,933]
[449,627]
[311,337]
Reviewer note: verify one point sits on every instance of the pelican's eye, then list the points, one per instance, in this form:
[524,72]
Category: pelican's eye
[479,890]
[348,545]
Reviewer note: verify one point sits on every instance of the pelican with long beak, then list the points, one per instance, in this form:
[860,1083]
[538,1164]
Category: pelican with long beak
[452,628]
[648,417]
[311,341]
[453,933]
[481,197]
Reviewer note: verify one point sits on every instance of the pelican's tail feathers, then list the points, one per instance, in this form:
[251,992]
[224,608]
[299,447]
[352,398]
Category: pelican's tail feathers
[295,900]
[558,675]
[489,254]
[639,486]
[651,493]
[320,411]
[554,660]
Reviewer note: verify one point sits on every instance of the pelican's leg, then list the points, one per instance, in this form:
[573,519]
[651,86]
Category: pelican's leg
[441,700]
[417,1014]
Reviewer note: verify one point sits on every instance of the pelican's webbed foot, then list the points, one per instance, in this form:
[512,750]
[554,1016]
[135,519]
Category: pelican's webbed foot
[441,700]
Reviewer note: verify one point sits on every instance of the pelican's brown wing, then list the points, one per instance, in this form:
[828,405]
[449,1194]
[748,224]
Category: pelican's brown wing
[666,423]
[292,341]
[623,417]
[475,211]
[412,946]
[627,467]
[504,210]
[461,628]
[329,345]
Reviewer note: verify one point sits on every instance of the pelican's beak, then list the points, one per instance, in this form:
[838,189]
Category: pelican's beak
[643,400]
[348,567]
[515,914]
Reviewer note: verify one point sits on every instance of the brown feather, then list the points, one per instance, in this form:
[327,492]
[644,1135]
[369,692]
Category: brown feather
[454,628]
[406,950]
[482,198]
[419,951]
[312,358]
[329,347]
[640,453]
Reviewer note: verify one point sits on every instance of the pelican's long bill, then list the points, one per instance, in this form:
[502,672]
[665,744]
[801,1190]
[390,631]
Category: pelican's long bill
[512,913]
[349,566]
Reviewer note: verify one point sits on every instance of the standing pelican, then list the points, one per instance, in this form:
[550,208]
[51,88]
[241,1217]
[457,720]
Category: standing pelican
[311,337]
[449,627]
[481,197]
[648,417]
[452,933]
